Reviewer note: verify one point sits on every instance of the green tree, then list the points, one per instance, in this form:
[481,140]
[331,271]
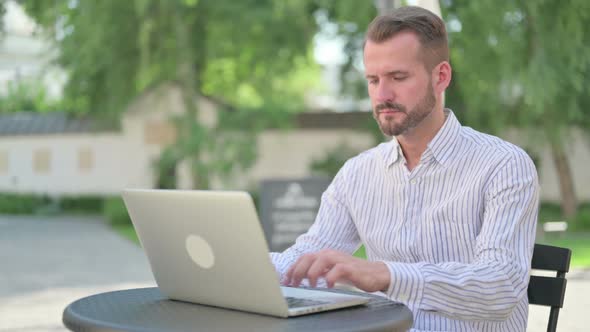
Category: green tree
[523,64]
[28,96]
[350,20]
[252,57]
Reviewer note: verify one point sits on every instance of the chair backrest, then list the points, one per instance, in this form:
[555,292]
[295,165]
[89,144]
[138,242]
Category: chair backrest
[549,291]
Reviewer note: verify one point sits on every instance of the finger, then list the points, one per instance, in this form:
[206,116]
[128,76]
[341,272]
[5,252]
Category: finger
[300,269]
[289,275]
[319,268]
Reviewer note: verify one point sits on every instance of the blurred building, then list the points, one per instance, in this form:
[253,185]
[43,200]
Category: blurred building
[56,155]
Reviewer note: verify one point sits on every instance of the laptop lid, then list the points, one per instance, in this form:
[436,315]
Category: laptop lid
[208,247]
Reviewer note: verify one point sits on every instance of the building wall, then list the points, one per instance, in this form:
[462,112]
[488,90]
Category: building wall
[106,163]
[79,164]
[289,154]
[82,164]
[67,164]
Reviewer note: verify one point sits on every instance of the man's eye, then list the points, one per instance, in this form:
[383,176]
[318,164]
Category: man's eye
[400,78]
[372,81]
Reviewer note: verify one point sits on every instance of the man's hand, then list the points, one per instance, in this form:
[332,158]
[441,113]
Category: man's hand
[335,266]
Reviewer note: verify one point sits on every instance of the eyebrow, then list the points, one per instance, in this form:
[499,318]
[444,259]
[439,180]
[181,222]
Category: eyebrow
[390,73]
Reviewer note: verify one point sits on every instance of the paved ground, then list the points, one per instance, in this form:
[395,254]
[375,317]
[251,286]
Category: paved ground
[46,263]
[574,317]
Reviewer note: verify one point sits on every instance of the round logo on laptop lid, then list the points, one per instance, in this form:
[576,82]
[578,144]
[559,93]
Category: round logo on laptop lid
[200,251]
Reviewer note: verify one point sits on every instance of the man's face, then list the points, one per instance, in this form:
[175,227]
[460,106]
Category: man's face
[400,87]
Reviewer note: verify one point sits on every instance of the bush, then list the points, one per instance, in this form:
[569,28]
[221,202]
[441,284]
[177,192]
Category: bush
[86,204]
[45,205]
[115,212]
[332,161]
[552,212]
[581,221]
[549,212]
[23,203]
[28,96]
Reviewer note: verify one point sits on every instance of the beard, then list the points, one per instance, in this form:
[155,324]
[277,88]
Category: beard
[412,119]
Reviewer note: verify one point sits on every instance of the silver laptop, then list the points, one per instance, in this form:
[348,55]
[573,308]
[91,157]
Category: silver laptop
[208,247]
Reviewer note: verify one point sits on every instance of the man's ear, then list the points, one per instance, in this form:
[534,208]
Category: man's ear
[441,76]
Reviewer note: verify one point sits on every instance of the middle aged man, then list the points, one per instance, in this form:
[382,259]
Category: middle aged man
[447,214]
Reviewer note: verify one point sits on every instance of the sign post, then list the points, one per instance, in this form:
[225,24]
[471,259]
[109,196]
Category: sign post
[288,208]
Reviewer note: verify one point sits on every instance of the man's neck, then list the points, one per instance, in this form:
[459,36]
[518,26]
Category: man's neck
[415,141]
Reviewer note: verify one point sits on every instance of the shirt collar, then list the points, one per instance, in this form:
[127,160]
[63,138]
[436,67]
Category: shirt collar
[393,152]
[441,147]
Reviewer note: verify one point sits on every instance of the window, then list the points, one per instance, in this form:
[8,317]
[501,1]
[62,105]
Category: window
[85,159]
[160,133]
[3,162]
[42,160]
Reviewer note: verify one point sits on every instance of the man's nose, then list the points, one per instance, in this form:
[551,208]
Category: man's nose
[384,92]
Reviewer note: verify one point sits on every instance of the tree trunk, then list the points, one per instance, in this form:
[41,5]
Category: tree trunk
[569,202]
[189,79]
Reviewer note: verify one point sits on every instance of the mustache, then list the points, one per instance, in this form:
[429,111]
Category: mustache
[389,105]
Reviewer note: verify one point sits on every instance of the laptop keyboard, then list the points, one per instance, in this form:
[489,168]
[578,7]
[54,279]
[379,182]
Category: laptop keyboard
[297,302]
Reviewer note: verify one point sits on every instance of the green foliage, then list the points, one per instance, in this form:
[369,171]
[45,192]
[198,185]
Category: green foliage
[578,223]
[581,221]
[577,242]
[127,231]
[520,64]
[81,204]
[347,21]
[361,253]
[22,203]
[332,161]
[45,205]
[93,49]
[549,212]
[263,56]
[165,167]
[116,50]
[28,96]
[115,212]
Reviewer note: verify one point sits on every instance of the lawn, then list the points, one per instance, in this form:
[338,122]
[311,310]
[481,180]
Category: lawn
[127,231]
[578,242]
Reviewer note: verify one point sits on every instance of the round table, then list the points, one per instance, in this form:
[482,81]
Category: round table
[146,309]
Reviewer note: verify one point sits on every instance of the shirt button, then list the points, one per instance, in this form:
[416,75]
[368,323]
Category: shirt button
[413,181]
[403,297]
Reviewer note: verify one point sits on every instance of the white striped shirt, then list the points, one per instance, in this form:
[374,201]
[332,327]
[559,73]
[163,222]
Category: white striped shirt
[457,232]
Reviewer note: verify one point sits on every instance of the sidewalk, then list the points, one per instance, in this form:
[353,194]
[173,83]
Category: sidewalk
[48,262]
[573,317]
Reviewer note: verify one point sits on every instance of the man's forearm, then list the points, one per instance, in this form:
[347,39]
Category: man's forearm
[480,291]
